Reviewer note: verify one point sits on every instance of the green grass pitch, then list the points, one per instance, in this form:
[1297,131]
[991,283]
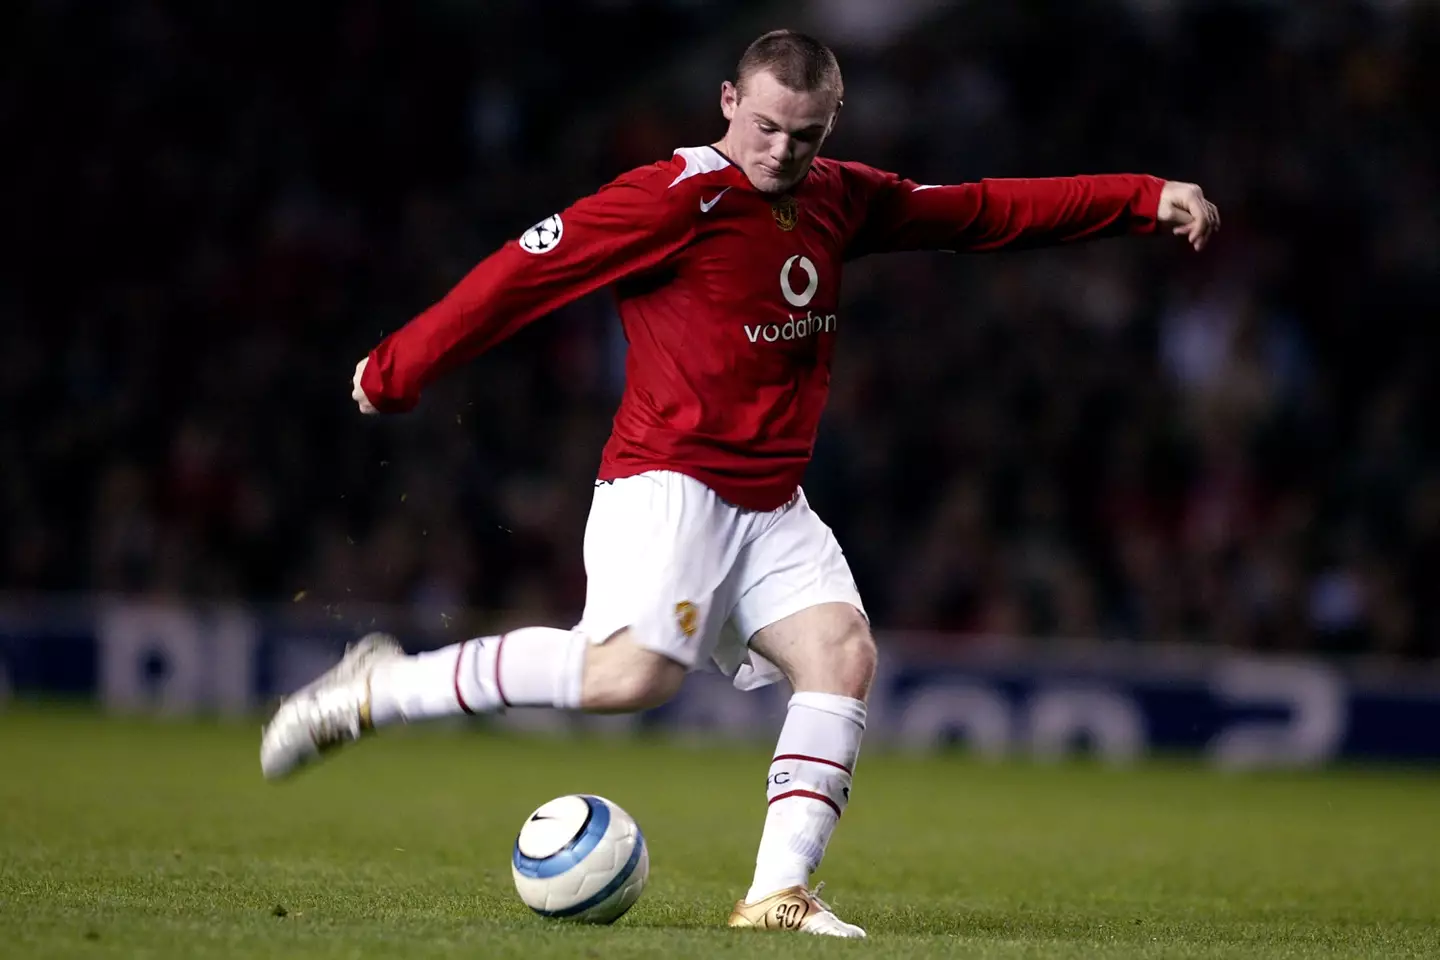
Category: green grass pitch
[136,838]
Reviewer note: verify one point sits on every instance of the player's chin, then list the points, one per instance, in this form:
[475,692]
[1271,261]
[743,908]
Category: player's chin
[768,181]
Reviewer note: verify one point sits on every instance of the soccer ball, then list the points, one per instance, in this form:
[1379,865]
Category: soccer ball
[580,857]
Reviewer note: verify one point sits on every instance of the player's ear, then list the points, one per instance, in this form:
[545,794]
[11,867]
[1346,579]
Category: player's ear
[729,98]
[834,117]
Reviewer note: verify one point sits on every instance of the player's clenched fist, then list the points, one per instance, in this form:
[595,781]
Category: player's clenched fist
[358,393]
[1183,207]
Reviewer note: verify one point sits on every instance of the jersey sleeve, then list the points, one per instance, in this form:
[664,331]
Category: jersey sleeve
[900,214]
[629,226]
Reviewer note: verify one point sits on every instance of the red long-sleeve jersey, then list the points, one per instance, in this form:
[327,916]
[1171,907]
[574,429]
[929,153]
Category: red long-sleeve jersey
[730,298]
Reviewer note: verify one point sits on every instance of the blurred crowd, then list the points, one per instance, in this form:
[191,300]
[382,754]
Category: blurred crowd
[215,210]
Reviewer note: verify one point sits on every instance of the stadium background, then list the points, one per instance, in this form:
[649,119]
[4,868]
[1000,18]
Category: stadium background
[1118,448]
[1119,499]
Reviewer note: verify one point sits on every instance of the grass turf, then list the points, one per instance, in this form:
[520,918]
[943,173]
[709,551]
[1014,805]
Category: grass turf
[140,838]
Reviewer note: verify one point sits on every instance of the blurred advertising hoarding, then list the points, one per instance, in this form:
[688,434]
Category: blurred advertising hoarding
[995,697]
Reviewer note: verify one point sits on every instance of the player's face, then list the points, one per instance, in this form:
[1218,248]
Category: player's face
[775,132]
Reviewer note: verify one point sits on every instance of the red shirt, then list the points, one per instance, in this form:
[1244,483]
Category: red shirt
[730,298]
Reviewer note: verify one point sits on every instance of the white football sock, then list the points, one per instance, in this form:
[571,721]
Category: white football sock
[808,788]
[533,667]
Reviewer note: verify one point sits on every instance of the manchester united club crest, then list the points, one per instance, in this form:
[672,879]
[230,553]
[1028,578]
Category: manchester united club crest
[687,617]
[787,212]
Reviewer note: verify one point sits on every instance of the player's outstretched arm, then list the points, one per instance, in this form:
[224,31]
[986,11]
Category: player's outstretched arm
[1010,214]
[625,228]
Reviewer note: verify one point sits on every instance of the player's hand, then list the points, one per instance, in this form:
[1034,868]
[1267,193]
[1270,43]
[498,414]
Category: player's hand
[1185,210]
[357,394]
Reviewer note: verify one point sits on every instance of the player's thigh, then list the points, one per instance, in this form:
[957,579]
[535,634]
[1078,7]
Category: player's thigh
[796,565]
[658,550]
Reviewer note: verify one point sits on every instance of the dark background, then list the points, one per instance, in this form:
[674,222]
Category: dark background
[212,210]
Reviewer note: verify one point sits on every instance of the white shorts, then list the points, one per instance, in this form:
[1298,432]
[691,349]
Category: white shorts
[696,577]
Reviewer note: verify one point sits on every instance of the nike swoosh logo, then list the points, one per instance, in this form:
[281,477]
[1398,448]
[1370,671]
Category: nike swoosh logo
[926,186]
[537,816]
[705,207]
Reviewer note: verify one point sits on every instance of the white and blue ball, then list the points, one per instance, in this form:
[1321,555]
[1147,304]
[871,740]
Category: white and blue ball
[580,857]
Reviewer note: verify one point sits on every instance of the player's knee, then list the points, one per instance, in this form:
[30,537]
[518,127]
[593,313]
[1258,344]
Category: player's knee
[853,656]
[652,682]
[842,660]
[825,649]
[622,677]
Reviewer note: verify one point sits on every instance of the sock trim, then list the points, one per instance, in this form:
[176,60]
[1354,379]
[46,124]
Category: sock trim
[809,795]
[807,759]
[460,697]
[499,689]
[832,703]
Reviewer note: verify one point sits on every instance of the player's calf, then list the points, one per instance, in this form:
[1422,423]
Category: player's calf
[828,654]
[532,667]
[376,685]
[807,789]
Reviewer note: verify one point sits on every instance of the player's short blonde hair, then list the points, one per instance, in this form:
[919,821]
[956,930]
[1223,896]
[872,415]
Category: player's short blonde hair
[796,60]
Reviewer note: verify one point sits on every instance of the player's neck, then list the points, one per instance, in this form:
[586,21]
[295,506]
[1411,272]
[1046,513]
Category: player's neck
[723,148]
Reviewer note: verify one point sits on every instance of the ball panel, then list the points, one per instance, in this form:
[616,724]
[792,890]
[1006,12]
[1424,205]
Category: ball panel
[580,846]
[624,898]
[552,826]
[606,904]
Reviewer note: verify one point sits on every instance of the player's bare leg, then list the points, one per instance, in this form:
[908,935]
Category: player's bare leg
[829,656]
[376,684]
[621,677]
